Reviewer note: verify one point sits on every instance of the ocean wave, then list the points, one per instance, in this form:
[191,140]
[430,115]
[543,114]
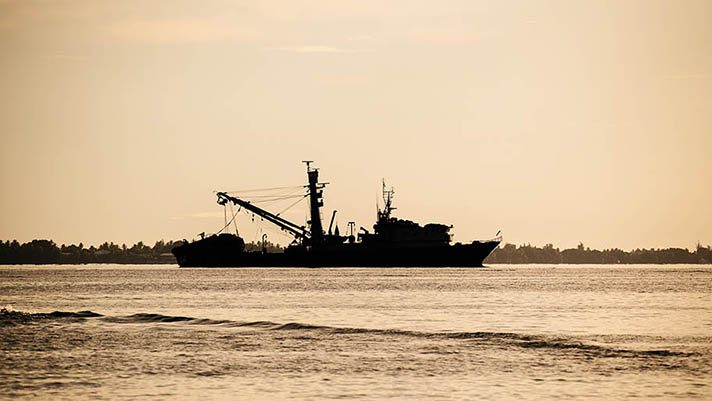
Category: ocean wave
[147,318]
[480,337]
[529,341]
[11,316]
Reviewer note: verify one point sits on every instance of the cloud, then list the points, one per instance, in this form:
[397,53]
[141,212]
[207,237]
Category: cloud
[267,23]
[175,30]
[65,57]
[689,76]
[360,38]
[317,49]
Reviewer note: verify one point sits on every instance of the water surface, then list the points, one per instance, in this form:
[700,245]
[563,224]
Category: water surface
[503,332]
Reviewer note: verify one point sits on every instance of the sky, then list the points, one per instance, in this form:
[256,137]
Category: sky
[553,121]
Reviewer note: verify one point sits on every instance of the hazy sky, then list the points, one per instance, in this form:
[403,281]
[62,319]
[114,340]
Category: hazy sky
[554,121]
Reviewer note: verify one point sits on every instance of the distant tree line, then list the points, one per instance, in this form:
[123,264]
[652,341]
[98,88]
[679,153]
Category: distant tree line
[512,254]
[47,252]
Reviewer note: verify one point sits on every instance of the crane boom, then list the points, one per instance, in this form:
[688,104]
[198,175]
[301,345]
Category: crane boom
[297,231]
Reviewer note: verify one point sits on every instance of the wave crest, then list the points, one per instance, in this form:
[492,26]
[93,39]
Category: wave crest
[12,317]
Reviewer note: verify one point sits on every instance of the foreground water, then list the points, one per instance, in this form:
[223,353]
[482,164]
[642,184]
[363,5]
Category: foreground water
[503,332]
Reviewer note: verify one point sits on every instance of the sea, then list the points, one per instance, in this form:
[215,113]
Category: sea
[503,332]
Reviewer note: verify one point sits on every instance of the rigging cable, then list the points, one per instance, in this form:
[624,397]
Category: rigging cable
[226,225]
[296,192]
[262,202]
[263,189]
[268,198]
[266,194]
[292,205]
[232,211]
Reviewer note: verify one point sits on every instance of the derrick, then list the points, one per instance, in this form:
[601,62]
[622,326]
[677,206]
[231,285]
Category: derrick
[299,232]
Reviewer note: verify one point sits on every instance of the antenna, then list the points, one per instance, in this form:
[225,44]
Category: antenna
[308,162]
[387,200]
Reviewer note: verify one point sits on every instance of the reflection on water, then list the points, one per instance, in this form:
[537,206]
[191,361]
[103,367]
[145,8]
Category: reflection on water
[529,332]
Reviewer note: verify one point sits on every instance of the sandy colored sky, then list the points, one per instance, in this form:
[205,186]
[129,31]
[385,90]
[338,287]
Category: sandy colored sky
[553,121]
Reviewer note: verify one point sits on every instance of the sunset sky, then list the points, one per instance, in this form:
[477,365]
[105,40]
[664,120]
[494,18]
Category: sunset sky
[554,121]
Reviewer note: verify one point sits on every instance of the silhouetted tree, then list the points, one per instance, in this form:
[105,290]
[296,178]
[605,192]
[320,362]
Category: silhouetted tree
[47,252]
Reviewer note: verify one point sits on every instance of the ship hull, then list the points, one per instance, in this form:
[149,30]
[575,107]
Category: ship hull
[349,255]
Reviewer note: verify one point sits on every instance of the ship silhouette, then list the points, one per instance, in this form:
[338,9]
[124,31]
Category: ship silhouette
[394,242]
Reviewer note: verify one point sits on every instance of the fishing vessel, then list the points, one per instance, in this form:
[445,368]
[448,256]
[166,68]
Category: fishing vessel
[393,242]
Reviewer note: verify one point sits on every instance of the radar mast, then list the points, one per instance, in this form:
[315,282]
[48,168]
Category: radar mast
[387,201]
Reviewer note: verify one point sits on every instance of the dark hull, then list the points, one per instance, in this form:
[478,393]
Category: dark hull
[224,254]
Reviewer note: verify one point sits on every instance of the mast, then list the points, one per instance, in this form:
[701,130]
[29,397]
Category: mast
[388,202]
[315,202]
